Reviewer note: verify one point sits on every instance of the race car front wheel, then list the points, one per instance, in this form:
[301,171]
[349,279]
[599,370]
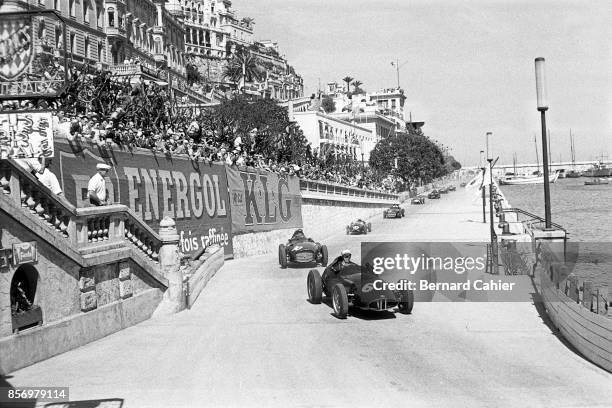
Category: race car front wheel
[405,306]
[314,287]
[324,255]
[282,256]
[369,227]
[340,301]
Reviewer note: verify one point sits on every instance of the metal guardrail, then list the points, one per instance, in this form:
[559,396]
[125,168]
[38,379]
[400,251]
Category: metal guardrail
[338,189]
[533,219]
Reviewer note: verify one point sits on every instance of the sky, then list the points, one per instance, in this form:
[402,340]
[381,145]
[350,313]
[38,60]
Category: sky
[467,66]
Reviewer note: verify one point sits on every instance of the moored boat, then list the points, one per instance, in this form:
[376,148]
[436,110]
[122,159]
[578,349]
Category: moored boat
[596,182]
[537,179]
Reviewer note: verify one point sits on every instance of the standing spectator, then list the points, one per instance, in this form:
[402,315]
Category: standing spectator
[96,187]
[47,178]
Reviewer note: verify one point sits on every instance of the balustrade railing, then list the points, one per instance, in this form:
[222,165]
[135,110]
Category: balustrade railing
[84,228]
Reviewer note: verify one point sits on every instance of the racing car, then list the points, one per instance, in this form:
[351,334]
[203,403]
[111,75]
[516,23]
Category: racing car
[418,200]
[353,286]
[443,190]
[452,188]
[433,194]
[358,227]
[302,250]
[395,211]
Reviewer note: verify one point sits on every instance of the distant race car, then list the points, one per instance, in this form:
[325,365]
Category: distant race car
[300,249]
[443,190]
[452,188]
[433,195]
[463,184]
[418,200]
[358,227]
[395,211]
[353,286]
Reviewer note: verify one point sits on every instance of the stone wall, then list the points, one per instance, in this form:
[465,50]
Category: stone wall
[321,219]
[57,289]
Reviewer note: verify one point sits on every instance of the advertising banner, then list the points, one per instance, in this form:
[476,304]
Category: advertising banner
[26,135]
[193,194]
[31,61]
[263,201]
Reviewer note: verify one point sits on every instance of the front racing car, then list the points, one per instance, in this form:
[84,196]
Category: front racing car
[358,227]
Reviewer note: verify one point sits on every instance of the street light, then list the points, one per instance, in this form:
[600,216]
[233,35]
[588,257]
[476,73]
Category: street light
[493,261]
[543,107]
[484,201]
[489,151]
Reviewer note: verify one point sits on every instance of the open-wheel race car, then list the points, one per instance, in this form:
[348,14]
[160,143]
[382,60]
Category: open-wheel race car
[433,195]
[358,227]
[452,188]
[395,211]
[418,200]
[302,250]
[351,285]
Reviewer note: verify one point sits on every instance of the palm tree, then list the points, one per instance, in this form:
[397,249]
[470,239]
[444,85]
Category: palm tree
[356,84]
[348,81]
[243,68]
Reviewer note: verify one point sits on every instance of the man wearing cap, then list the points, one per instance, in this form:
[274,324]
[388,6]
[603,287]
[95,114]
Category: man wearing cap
[96,187]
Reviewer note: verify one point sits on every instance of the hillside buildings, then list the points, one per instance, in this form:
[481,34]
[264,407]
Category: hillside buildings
[154,40]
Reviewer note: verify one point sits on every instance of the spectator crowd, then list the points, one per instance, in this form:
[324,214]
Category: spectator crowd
[106,111]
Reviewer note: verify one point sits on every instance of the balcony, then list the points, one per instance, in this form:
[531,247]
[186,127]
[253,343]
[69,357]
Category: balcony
[115,32]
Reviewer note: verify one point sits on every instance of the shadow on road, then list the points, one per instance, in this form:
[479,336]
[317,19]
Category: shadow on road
[102,403]
[5,385]
[538,302]
[359,313]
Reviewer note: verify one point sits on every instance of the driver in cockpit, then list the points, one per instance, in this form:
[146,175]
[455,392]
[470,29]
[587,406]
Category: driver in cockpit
[298,235]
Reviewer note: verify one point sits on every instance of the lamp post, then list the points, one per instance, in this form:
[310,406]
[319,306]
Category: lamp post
[484,202]
[492,227]
[543,107]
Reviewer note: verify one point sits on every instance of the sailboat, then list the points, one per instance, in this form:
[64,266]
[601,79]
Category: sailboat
[537,178]
[573,173]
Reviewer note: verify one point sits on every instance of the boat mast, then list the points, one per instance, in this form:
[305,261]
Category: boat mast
[573,152]
[549,154]
[537,154]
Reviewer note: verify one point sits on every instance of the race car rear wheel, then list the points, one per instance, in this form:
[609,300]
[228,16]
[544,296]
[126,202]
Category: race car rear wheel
[340,301]
[282,256]
[369,227]
[405,306]
[314,285]
[324,255]
[384,215]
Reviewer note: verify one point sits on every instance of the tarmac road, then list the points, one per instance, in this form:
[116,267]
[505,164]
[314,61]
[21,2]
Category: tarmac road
[252,339]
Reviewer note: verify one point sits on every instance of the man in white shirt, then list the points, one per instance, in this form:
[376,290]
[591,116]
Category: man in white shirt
[47,178]
[96,187]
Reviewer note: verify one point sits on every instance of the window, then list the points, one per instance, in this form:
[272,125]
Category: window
[56,4]
[111,17]
[100,51]
[59,39]
[99,17]
[87,48]
[72,43]
[71,7]
[86,6]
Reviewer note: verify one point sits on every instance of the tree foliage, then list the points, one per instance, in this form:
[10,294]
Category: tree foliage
[418,158]
[263,126]
[243,66]
[328,104]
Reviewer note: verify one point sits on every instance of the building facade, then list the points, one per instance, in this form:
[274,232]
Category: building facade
[139,38]
[331,135]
